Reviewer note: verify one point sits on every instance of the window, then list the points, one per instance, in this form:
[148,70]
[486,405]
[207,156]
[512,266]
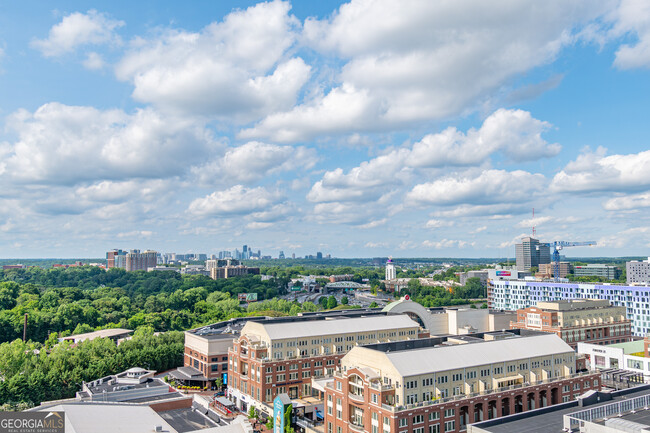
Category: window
[280,368]
[456,377]
[403,422]
[269,379]
[339,386]
[329,427]
[471,375]
[386,421]
[417,419]
[293,367]
[450,426]
[442,379]
[305,374]
[576,386]
[374,398]
[269,369]
[418,430]
[433,416]
[566,388]
[427,382]
[280,377]
[434,428]
[449,413]
[293,376]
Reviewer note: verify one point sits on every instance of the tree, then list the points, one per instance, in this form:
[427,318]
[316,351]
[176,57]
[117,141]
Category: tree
[252,412]
[344,300]
[373,304]
[331,302]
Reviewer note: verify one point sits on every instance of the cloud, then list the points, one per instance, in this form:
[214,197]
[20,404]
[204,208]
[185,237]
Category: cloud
[436,224]
[237,69]
[62,144]
[237,200]
[94,62]
[375,245]
[135,234]
[254,160]
[418,61]
[625,238]
[490,187]
[537,221]
[633,17]
[78,29]
[593,171]
[515,133]
[373,224]
[446,243]
[628,202]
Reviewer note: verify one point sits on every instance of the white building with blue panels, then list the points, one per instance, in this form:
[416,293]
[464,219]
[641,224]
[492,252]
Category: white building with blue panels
[516,294]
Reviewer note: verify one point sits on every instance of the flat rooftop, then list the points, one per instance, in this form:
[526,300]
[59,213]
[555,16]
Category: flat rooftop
[550,419]
[187,420]
[102,333]
[112,387]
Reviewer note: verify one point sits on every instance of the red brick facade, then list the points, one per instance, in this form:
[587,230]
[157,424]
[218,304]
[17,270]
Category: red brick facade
[252,373]
[212,366]
[369,407]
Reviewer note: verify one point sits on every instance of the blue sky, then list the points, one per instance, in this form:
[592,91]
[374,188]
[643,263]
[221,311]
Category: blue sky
[410,128]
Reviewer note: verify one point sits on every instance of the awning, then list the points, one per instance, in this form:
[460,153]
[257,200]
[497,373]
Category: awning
[188,373]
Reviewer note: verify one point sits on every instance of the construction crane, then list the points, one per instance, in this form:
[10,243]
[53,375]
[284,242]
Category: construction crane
[557,246]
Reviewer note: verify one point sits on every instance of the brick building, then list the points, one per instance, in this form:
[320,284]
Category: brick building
[282,356]
[442,384]
[579,320]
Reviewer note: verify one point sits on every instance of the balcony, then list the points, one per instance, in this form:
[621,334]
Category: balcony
[355,427]
[356,397]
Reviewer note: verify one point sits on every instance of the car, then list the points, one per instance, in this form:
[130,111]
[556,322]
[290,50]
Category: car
[219,394]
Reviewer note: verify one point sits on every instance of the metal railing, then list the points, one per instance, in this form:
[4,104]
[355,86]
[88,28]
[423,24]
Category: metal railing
[578,419]
[399,408]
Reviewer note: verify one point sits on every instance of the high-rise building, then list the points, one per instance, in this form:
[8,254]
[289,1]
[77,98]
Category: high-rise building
[319,256]
[281,255]
[638,272]
[137,261]
[116,259]
[293,256]
[530,253]
[391,273]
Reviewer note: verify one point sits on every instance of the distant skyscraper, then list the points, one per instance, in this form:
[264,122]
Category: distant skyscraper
[281,255]
[391,273]
[319,255]
[293,256]
[529,253]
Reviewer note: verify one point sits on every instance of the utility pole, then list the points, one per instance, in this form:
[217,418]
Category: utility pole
[25,329]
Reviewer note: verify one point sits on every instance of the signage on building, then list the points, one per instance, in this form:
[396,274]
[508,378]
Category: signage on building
[279,409]
[247,297]
[503,274]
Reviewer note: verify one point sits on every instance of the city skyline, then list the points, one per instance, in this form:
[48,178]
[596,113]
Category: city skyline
[411,129]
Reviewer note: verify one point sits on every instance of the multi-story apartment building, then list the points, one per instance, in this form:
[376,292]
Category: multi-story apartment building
[441,384]
[547,270]
[228,268]
[282,356]
[579,320]
[530,254]
[638,271]
[116,259]
[597,270]
[518,294]
[137,261]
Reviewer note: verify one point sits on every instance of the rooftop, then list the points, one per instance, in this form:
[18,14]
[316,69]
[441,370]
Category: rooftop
[103,333]
[455,352]
[338,326]
[551,419]
[109,385]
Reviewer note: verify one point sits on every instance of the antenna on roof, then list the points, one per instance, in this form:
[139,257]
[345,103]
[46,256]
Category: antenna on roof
[533,224]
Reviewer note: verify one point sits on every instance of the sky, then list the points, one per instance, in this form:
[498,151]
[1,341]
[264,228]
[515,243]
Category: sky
[411,128]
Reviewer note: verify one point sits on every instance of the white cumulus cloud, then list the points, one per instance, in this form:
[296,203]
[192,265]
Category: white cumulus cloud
[237,200]
[78,29]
